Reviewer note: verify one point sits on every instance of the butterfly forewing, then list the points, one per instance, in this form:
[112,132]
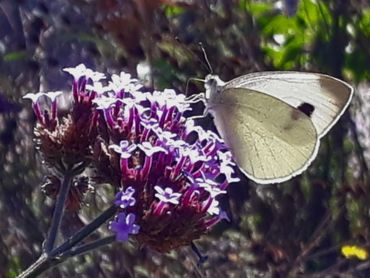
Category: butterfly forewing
[271,141]
[327,95]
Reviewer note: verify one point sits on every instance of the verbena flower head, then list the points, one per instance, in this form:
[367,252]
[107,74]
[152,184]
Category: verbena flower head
[65,142]
[168,173]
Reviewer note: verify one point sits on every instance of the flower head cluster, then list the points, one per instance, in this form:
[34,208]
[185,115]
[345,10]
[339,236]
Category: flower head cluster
[168,172]
[66,142]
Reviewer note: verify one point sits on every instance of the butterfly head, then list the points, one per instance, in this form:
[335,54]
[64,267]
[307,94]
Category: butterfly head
[213,85]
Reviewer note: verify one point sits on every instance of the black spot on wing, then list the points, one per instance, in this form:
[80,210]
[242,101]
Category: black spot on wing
[306,108]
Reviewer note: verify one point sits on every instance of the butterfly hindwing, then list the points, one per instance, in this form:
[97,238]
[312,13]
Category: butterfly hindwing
[271,141]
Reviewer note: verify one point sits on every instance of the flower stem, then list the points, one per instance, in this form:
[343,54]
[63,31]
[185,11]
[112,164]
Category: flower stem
[201,257]
[81,249]
[44,262]
[67,249]
[58,213]
[85,231]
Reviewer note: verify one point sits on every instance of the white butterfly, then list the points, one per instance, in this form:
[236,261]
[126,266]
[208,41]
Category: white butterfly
[273,121]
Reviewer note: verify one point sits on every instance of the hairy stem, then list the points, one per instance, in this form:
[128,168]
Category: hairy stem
[58,213]
[85,231]
[68,249]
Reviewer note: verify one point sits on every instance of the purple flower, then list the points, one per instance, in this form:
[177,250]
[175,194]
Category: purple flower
[77,71]
[105,102]
[44,117]
[149,149]
[125,148]
[124,225]
[36,105]
[123,81]
[227,166]
[223,216]
[213,207]
[125,199]
[98,87]
[194,154]
[34,96]
[211,187]
[81,71]
[53,95]
[167,195]
[169,98]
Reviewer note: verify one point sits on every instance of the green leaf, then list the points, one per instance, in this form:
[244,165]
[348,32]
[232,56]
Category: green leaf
[15,56]
[171,10]
[280,24]
[257,9]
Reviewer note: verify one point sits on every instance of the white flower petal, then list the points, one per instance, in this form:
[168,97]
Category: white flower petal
[34,96]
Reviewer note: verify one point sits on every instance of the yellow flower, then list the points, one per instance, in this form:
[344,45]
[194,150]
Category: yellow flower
[353,251]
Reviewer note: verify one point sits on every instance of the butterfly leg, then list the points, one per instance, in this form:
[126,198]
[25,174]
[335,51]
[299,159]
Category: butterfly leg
[205,113]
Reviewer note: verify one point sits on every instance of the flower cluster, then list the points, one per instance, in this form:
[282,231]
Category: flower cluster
[66,142]
[167,172]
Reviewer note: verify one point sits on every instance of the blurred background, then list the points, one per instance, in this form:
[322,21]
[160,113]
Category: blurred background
[295,229]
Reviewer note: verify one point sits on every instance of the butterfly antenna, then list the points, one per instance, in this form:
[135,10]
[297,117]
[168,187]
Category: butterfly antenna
[192,53]
[205,57]
[201,96]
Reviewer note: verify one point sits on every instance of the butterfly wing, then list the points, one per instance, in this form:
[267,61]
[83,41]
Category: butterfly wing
[270,140]
[328,96]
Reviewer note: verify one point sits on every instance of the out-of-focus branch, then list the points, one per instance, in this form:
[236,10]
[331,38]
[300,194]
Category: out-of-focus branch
[364,169]
[317,236]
